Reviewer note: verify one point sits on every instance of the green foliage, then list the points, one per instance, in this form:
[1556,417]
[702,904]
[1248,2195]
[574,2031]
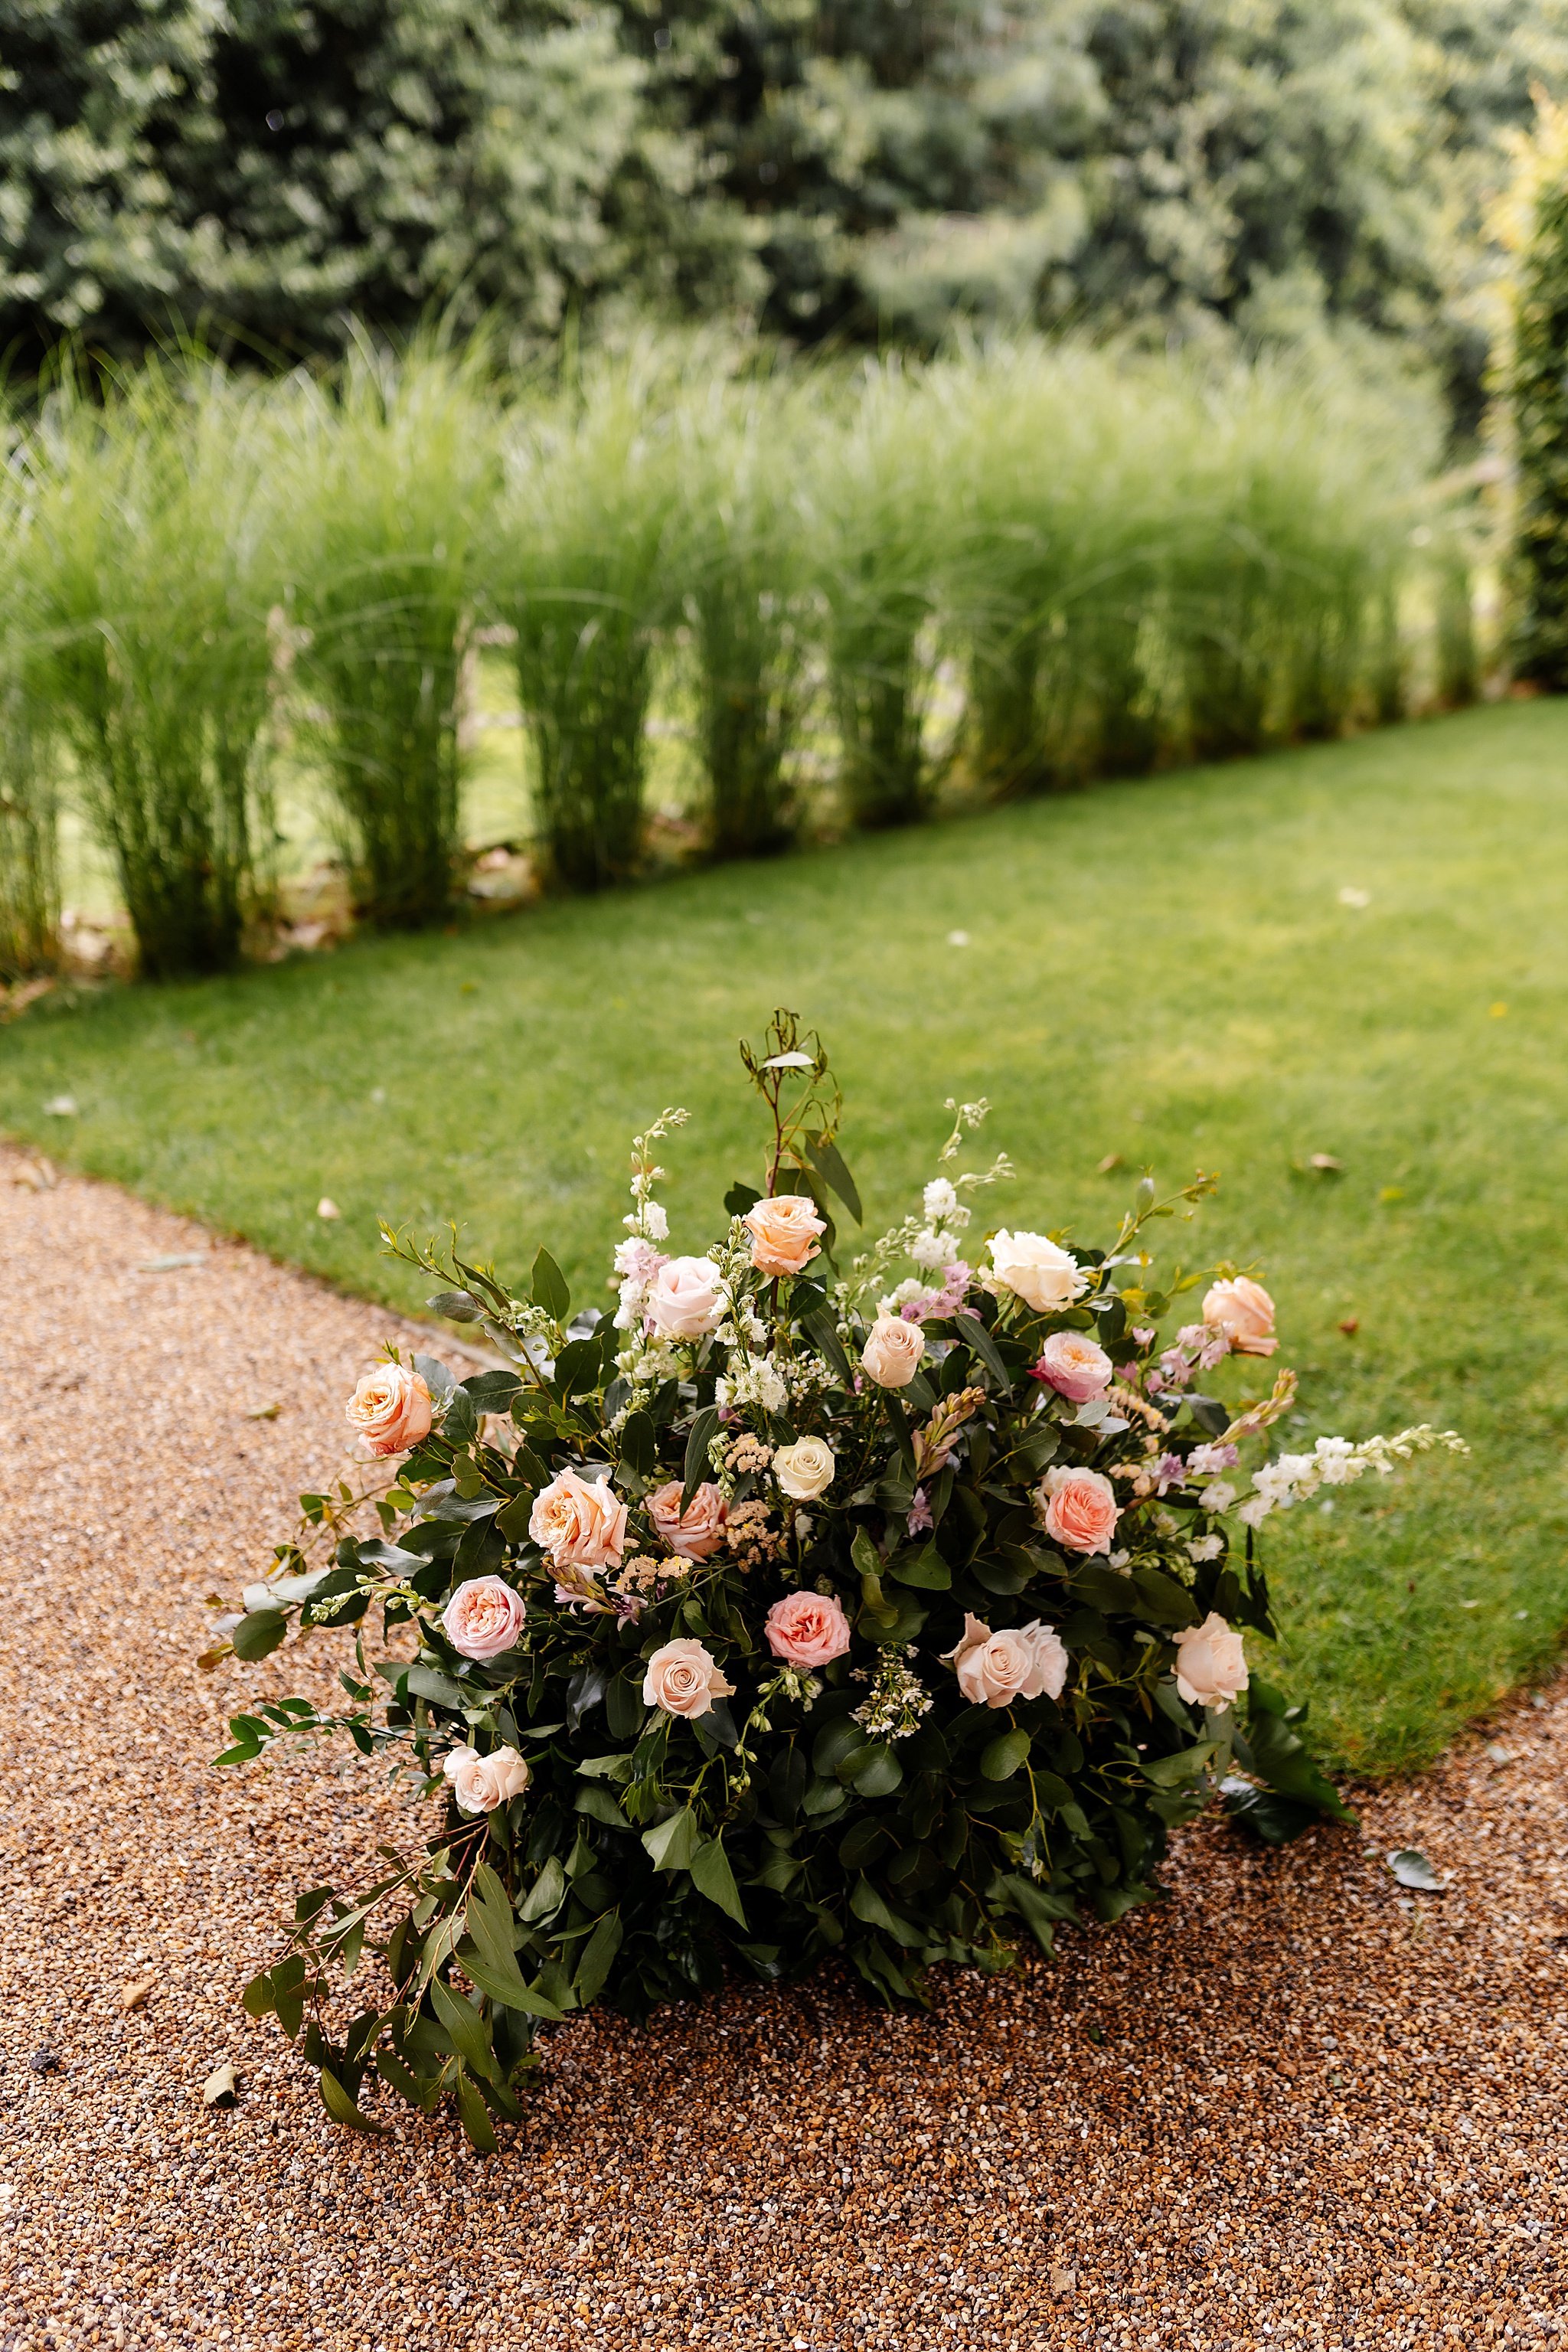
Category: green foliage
[1537,382]
[29,880]
[391,472]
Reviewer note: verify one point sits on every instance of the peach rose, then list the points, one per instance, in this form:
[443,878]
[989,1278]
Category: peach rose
[1037,1270]
[1021,1661]
[893,1350]
[685,1299]
[1076,1366]
[483,1617]
[1080,1508]
[806,1628]
[784,1233]
[481,1783]
[695,1533]
[1244,1311]
[684,1678]
[804,1469]
[1211,1663]
[391,1409]
[579,1525]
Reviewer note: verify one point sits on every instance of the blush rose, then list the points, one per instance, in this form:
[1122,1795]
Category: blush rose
[391,1409]
[1037,1270]
[481,1783]
[579,1525]
[784,1233]
[1211,1663]
[684,1678]
[1021,1661]
[685,1299]
[696,1533]
[1080,1508]
[1076,1366]
[1244,1311]
[808,1629]
[893,1350]
[483,1617]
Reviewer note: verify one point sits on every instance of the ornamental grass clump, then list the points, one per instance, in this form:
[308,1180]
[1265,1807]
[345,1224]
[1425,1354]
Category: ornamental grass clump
[29,867]
[886,1607]
[578,565]
[391,471]
[150,572]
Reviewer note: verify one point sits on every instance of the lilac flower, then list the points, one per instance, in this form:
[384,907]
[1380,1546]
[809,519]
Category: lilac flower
[1205,1461]
[920,1520]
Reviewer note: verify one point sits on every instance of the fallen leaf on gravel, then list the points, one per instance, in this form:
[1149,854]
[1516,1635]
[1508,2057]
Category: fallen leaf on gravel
[1413,1869]
[175,1257]
[1063,2280]
[264,1412]
[135,1996]
[220,2089]
[39,1173]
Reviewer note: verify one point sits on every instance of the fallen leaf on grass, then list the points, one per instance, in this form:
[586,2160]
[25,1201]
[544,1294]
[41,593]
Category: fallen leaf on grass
[60,1106]
[1413,1869]
[328,1211]
[1112,1162]
[1350,1325]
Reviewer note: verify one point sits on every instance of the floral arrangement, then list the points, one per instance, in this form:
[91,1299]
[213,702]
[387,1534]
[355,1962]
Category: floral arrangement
[783,1611]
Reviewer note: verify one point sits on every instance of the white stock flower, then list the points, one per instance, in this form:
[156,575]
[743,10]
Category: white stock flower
[1218,1497]
[933,1249]
[757,1381]
[940,1199]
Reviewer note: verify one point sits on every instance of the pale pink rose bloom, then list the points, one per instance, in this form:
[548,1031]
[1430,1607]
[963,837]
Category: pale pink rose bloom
[483,1617]
[1080,1508]
[808,1629]
[992,1668]
[684,1678]
[784,1233]
[685,1299]
[893,1351]
[579,1525]
[1244,1311]
[1048,1672]
[481,1783]
[391,1409]
[1211,1663]
[1037,1270]
[695,1533]
[1076,1366]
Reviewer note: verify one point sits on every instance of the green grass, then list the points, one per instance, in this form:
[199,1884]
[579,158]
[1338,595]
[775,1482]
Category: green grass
[1162,970]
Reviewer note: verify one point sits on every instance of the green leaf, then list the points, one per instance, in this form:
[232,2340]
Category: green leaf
[466,2029]
[878,1771]
[829,1166]
[1278,1755]
[503,1983]
[1162,1599]
[671,1843]
[712,1876]
[869,1906]
[926,1570]
[546,1894]
[550,1287]
[1170,1772]
[427,1683]
[1002,1759]
[455,1305]
[975,1335]
[639,1447]
[698,1467]
[597,1958]
[740,1197]
[823,1332]
[259,1634]
[476,2115]
[343,2110]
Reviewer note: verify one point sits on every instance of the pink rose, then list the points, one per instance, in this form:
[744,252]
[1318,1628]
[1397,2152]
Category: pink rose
[481,1783]
[893,1350]
[1076,1366]
[683,1678]
[1022,1662]
[695,1533]
[784,1233]
[1244,1311]
[808,1629]
[579,1525]
[391,1409]
[1211,1663]
[685,1299]
[483,1617]
[1080,1508]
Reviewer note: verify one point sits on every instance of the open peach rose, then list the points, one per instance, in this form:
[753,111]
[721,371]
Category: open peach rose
[808,1629]
[696,1533]
[579,1525]
[483,1617]
[1080,1508]
[1076,1366]
[1244,1311]
[684,1678]
[893,1350]
[391,1409]
[784,1233]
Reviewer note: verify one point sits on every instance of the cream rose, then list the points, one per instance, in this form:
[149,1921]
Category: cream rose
[1021,1661]
[695,1533]
[483,1617]
[1211,1663]
[808,1629]
[1080,1508]
[481,1783]
[804,1469]
[784,1233]
[1076,1366]
[579,1525]
[1244,1311]
[684,1678]
[685,1299]
[1037,1270]
[391,1409]
[893,1350]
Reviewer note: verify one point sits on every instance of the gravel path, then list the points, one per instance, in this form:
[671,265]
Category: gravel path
[1290,2106]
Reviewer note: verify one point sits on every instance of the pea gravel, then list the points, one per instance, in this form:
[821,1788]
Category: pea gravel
[1294,2105]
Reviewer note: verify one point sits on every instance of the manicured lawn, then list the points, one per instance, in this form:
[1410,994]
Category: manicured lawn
[1164,969]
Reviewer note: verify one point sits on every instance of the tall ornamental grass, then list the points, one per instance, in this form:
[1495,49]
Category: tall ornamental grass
[580,566]
[29,869]
[750,605]
[391,471]
[151,571]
